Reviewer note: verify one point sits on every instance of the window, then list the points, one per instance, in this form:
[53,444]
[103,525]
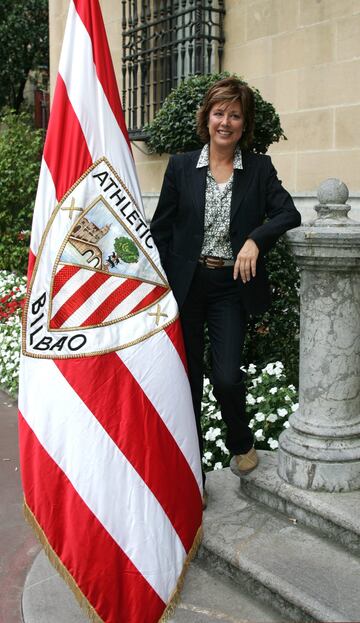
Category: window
[163,42]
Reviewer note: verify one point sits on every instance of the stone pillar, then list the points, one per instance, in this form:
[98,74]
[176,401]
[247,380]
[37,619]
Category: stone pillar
[321,448]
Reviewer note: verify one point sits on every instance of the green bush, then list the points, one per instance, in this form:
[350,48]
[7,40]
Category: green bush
[20,149]
[174,127]
[270,400]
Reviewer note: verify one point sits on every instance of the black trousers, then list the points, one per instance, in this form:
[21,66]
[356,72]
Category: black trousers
[215,298]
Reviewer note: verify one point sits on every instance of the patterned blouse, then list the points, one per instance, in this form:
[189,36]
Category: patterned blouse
[217,209]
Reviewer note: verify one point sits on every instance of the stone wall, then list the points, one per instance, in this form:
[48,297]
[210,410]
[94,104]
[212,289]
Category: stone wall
[304,56]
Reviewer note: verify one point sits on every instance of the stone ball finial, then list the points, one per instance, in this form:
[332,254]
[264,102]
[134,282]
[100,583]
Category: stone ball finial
[332,191]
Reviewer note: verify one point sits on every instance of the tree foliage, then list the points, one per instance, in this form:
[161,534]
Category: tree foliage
[174,126]
[126,250]
[20,149]
[24,46]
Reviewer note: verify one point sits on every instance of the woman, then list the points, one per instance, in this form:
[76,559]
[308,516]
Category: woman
[210,231]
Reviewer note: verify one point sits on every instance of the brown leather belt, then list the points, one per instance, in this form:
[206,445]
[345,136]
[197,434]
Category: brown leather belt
[215,262]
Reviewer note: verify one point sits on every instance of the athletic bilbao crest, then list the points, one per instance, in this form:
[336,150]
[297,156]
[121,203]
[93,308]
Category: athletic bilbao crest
[97,285]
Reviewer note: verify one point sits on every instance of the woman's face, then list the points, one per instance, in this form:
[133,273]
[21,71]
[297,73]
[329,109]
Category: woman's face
[226,124]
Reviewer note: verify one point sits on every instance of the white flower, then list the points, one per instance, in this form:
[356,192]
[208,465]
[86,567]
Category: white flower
[251,423]
[269,369]
[273,443]
[251,369]
[259,434]
[292,388]
[250,400]
[260,399]
[287,399]
[273,390]
[282,412]
[256,381]
[259,417]
[212,433]
[208,455]
[278,370]
[220,444]
[272,417]
[286,424]
[294,407]
[218,465]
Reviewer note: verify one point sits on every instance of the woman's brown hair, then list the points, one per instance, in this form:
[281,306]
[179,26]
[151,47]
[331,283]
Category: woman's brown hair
[228,90]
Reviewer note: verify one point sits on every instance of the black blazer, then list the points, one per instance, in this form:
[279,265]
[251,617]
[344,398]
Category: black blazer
[178,223]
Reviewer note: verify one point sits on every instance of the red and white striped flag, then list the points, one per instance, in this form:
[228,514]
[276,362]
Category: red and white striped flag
[109,453]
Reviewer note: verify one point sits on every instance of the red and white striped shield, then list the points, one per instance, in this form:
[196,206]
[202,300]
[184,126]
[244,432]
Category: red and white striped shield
[109,454]
[96,266]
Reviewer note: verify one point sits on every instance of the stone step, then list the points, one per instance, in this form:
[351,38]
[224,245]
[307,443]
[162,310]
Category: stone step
[336,515]
[206,598]
[299,572]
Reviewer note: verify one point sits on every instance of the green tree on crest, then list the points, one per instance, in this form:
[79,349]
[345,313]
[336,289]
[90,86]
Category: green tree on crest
[126,250]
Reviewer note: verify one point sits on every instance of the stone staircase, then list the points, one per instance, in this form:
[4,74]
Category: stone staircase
[271,554]
[302,561]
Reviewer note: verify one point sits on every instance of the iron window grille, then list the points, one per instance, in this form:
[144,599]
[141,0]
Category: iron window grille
[164,41]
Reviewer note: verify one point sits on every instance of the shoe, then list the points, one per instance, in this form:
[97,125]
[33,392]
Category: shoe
[247,462]
[204,499]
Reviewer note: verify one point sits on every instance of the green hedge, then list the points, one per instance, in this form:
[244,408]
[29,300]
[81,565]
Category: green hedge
[20,151]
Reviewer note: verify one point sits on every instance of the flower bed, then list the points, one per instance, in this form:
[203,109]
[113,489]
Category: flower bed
[270,401]
[12,294]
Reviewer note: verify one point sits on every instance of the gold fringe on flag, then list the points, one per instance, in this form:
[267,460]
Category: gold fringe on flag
[60,568]
[80,597]
[175,598]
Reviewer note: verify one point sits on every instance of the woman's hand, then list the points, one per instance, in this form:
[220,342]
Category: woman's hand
[246,261]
